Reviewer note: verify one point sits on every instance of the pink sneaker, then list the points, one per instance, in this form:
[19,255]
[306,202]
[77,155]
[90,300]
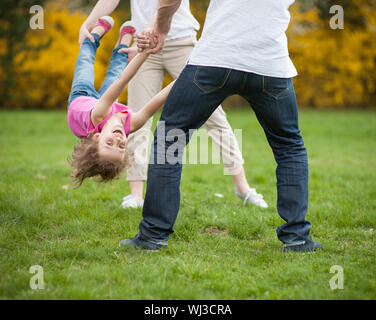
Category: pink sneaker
[106,22]
[126,28]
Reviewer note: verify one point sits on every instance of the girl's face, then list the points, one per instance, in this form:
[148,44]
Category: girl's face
[112,140]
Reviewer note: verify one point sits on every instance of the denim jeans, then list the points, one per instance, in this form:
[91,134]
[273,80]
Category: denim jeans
[193,98]
[83,80]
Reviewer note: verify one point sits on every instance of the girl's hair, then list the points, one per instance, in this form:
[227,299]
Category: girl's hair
[85,159]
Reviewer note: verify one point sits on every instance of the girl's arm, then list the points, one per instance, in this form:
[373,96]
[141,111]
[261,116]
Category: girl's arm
[103,107]
[139,118]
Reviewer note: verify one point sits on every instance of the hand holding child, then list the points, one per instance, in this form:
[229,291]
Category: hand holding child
[85,33]
[150,41]
[147,43]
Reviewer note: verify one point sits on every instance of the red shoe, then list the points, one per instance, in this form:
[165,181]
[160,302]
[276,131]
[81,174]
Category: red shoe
[106,22]
[126,28]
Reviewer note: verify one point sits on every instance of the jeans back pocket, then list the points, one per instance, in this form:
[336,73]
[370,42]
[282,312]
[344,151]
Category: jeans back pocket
[275,87]
[210,79]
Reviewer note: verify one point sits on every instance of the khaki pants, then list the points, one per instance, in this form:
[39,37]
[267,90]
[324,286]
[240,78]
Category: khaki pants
[147,83]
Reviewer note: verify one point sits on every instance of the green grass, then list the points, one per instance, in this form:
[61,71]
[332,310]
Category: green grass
[74,234]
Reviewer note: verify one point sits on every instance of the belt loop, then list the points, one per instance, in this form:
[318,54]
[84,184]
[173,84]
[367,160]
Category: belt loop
[244,81]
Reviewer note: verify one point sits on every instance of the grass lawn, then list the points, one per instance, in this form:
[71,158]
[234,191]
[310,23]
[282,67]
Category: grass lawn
[74,234]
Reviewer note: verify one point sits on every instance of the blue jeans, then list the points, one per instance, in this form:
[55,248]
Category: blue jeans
[83,80]
[196,94]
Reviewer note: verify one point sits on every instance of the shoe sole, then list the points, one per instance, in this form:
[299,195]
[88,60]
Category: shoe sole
[301,249]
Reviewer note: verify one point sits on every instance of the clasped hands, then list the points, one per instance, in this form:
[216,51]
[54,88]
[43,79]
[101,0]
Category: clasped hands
[149,41]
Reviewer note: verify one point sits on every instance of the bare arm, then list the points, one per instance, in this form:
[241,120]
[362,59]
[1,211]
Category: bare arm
[165,12]
[103,107]
[102,8]
[139,118]
[162,25]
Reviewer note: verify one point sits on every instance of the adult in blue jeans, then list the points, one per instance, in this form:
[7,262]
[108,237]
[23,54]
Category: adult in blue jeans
[242,50]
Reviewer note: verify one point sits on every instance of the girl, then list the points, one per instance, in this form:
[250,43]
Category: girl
[97,118]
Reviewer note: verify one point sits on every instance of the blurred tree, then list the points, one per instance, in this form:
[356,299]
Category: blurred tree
[14,25]
[352,9]
[44,78]
[337,68]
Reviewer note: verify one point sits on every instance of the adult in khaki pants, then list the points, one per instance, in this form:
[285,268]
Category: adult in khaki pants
[148,82]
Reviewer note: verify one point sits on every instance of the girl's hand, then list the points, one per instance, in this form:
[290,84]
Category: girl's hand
[149,41]
[84,33]
[132,51]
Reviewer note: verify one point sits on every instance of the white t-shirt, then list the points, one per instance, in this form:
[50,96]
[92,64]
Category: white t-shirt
[246,35]
[183,22]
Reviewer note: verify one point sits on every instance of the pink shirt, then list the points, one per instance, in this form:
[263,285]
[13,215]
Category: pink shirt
[79,116]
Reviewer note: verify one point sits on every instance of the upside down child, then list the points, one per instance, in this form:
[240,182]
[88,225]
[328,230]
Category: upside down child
[101,123]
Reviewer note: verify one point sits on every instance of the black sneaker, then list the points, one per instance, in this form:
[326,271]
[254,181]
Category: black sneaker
[305,246]
[142,242]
